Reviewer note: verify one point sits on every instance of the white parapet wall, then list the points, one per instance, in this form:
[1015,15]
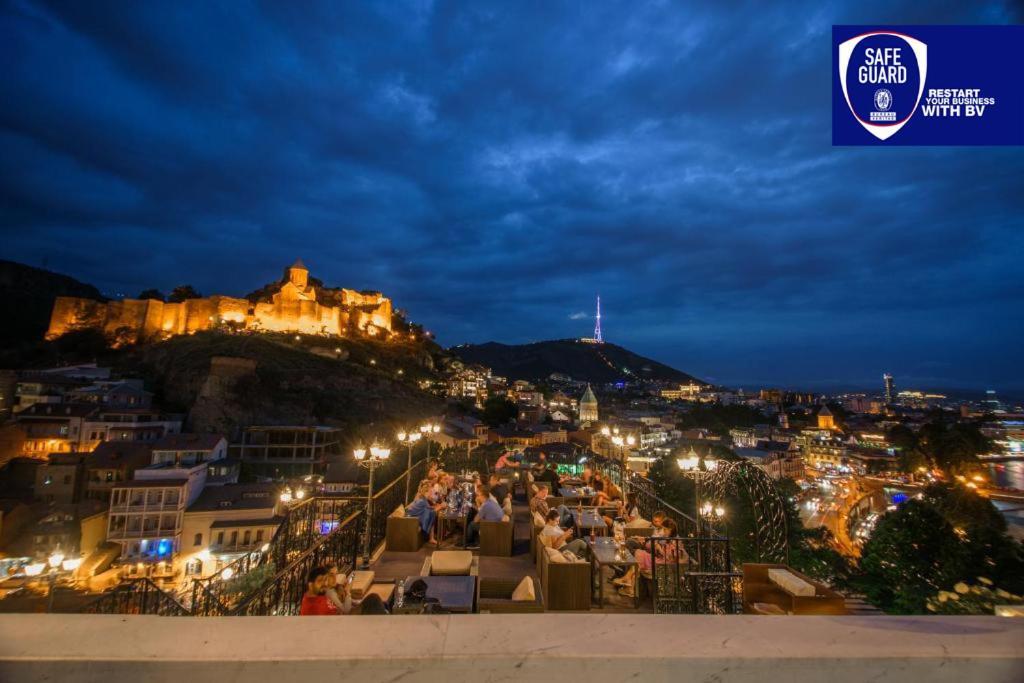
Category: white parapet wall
[575,648]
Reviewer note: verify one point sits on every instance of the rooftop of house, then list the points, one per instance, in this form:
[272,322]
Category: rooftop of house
[237,497]
[188,442]
[118,454]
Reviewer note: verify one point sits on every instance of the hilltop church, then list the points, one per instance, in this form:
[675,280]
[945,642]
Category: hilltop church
[297,306]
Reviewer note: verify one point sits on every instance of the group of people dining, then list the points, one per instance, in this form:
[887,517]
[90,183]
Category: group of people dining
[475,501]
[560,523]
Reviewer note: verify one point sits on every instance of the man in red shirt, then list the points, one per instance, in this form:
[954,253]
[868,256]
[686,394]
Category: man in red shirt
[314,601]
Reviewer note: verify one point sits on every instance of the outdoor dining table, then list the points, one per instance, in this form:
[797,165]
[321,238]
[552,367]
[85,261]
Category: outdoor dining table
[590,522]
[574,493]
[606,552]
[448,518]
[454,593]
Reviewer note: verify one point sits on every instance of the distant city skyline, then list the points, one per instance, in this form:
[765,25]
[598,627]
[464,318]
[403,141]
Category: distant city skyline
[491,186]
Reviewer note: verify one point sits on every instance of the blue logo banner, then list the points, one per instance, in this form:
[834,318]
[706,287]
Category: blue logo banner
[928,85]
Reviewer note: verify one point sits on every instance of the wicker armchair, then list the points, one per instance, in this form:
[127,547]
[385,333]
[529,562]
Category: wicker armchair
[496,538]
[496,597]
[565,586]
[403,534]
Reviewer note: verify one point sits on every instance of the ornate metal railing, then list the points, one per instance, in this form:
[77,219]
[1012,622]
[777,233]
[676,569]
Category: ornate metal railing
[390,497]
[456,460]
[771,535]
[304,525]
[693,576]
[648,503]
[282,594]
[137,596]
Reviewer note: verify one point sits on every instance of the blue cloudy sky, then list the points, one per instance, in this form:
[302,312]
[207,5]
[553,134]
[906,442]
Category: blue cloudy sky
[493,166]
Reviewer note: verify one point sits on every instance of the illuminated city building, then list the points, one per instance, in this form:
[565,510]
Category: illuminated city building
[297,306]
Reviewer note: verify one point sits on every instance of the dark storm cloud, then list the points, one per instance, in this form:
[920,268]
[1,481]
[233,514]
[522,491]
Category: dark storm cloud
[493,166]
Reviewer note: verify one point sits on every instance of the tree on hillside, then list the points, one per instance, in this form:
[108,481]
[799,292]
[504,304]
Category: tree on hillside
[183,293]
[912,554]
[991,552]
[152,294]
[952,448]
[720,418]
[498,410]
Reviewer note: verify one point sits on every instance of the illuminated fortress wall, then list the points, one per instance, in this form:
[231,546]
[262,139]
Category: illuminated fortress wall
[293,308]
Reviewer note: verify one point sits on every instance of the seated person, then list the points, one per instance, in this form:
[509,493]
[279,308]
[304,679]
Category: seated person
[539,504]
[629,511]
[501,493]
[550,477]
[372,604]
[506,461]
[336,590]
[425,510]
[314,600]
[488,510]
[560,537]
[587,477]
[634,543]
[598,485]
[665,553]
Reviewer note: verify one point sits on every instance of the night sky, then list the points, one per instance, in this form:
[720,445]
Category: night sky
[493,167]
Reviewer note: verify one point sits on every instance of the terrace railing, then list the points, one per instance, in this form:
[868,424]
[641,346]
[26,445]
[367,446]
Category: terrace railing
[304,525]
[648,502]
[693,575]
[282,594]
[137,596]
[390,497]
[456,460]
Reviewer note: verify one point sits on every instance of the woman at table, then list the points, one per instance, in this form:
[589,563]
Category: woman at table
[600,489]
[665,553]
[629,510]
[426,511]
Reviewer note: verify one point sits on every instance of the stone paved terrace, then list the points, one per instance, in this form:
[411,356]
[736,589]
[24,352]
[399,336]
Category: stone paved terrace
[482,648]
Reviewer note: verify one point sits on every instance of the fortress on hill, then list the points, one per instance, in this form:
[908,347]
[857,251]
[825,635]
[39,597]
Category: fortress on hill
[297,306]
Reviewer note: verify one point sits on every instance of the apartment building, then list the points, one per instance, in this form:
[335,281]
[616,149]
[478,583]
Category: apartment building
[147,512]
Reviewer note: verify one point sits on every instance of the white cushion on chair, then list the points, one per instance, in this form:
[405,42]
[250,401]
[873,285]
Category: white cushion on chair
[555,557]
[538,519]
[399,511]
[524,592]
[451,562]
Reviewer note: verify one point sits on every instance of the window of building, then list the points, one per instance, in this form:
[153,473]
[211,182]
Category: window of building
[247,538]
[220,538]
[259,535]
[198,540]
[234,538]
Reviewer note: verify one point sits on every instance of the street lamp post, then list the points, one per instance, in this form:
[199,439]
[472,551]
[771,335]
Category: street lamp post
[426,429]
[690,466]
[378,456]
[712,514]
[55,560]
[409,439]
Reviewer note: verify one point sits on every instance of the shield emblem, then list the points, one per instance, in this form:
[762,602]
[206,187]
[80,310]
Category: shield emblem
[882,75]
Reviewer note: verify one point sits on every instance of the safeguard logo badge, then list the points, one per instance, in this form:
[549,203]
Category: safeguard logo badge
[882,75]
